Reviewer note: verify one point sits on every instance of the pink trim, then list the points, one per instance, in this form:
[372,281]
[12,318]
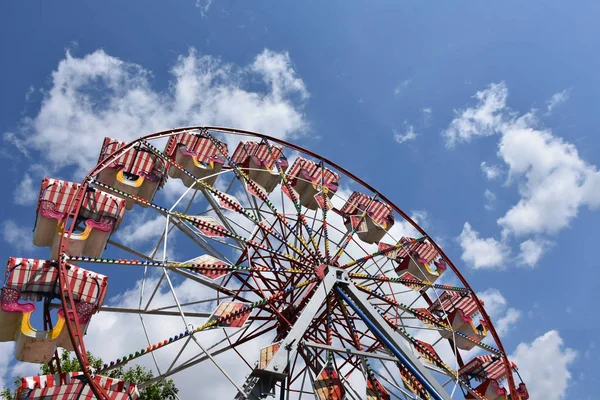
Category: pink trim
[188,153]
[105,224]
[154,176]
[10,302]
[441,265]
[217,160]
[259,162]
[84,312]
[462,315]
[48,210]
[522,391]
[499,390]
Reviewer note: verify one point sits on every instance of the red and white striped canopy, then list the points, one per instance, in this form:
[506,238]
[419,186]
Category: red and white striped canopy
[96,203]
[481,367]
[68,386]
[261,151]
[203,149]
[137,160]
[41,277]
[379,212]
[425,251]
[312,171]
[450,300]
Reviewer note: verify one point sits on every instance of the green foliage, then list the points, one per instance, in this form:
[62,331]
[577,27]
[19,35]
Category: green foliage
[163,390]
[6,395]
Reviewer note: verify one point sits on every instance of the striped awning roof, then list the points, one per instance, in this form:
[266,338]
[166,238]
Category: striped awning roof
[41,277]
[481,367]
[313,172]
[261,151]
[379,212]
[202,147]
[424,250]
[137,160]
[96,203]
[70,385]
[451,300]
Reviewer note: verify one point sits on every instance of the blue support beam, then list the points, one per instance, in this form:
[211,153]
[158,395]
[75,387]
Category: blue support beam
[385,340]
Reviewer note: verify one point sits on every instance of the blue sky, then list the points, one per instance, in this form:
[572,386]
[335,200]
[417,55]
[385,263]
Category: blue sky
[387,92]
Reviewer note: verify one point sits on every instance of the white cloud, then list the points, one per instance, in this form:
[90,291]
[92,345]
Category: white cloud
[502,317]
[6,352]
[491,171]
[544,365]
[99,95]
[172,190]
[399,89]
[557,99]
[506,322]
[203,6]
[408,135]
[25,193]
[276,70]
[494,301]
[484,253]
[17,236]
[554,182]
[141,229]
[29,93]
[490,198]
[420,217]
[532,250]
[10,368]
[482,120]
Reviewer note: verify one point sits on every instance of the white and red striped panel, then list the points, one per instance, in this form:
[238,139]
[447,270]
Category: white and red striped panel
[426,251]
[234,316]
[488,366]
[135,160]
[201,146]
[96,203]
[375,390]
[313,171]
[328,385]
[208,260]
[67,386]
[244,150]
[379,212]
[40,277]
[427,351]
[450,300]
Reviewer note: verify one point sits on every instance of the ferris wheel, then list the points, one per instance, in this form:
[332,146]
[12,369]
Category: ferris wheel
[276,269]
